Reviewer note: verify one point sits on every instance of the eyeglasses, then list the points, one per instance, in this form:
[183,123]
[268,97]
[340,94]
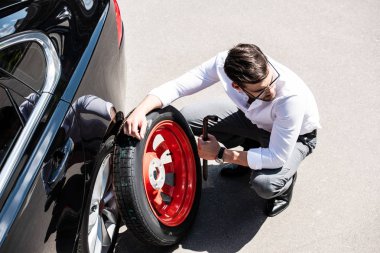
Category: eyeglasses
[263,91]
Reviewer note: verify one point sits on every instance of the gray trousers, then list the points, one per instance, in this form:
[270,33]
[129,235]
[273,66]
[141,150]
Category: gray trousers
[234,129]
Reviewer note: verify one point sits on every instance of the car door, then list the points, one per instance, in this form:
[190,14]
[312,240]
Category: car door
[42,176]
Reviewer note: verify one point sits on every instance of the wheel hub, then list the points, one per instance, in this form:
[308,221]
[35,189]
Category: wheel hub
[156,173]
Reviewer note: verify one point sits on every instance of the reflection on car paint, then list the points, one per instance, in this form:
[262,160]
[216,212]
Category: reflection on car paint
[64,14]
[87,4]
[9,24]
[77,128]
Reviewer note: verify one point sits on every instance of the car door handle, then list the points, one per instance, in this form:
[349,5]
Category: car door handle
[59,172]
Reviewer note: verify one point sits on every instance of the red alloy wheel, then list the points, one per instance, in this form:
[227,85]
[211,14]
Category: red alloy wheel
[169,173]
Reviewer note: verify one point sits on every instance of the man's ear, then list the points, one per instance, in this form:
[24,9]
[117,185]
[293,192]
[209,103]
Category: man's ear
[235,86]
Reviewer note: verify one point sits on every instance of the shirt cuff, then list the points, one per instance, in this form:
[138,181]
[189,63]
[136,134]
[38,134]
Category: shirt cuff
[160,94]
[109,106]
[254,158]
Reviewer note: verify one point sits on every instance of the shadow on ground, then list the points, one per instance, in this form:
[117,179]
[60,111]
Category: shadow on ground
[229,216]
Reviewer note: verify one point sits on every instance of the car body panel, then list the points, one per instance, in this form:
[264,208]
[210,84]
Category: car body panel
[24,213]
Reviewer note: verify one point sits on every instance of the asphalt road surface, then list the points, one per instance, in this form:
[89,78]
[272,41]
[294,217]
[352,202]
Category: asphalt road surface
[334,46]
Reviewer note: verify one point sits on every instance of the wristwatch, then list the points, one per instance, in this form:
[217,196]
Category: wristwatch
[219,157]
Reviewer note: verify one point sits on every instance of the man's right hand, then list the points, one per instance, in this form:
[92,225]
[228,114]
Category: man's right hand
[136,123]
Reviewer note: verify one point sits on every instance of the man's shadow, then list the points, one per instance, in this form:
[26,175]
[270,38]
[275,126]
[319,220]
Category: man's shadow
[229,216]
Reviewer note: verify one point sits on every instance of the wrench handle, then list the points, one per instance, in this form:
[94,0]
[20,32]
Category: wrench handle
[205,129]
[205,138]
[205,169]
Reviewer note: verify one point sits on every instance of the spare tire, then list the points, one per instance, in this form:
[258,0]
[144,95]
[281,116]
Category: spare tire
[157,180]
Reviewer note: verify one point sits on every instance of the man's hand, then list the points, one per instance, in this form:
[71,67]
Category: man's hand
[135,125]
[208,149]
[113,114]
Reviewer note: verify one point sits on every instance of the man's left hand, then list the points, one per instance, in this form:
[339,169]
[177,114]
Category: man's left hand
[208,149]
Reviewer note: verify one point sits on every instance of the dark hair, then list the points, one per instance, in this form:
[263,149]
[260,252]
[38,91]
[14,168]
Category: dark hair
[246,63]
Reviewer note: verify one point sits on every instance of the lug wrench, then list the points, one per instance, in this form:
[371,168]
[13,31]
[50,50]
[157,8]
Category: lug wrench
[205,138]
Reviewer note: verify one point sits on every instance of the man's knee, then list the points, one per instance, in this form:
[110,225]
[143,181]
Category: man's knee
[268,186]
[185,111]
[193,119]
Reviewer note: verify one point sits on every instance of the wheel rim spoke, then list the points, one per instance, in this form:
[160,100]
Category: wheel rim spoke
[104,236]
[99,237]
[109,196]
[96,195]
[102,217]
[92,236]
[110,216]
[111,230]
[92,219]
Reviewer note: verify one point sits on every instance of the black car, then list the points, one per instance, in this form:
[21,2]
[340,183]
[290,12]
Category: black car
[61,80]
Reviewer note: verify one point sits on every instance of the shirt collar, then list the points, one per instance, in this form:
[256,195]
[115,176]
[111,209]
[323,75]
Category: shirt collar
[255,104]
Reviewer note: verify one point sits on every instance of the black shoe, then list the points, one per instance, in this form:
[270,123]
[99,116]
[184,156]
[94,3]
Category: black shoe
[280,203]
[233,170]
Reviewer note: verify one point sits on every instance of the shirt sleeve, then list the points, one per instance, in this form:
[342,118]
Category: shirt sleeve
[191,82]
[28,105]
[289,115]
[93,105]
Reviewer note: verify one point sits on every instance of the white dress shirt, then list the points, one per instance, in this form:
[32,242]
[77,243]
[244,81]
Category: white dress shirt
[293,111]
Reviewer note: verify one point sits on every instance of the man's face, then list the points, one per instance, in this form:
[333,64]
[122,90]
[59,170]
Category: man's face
[264,90]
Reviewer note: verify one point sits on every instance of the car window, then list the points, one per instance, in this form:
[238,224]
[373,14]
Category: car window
[22,76]
[11,123]
[26,63]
